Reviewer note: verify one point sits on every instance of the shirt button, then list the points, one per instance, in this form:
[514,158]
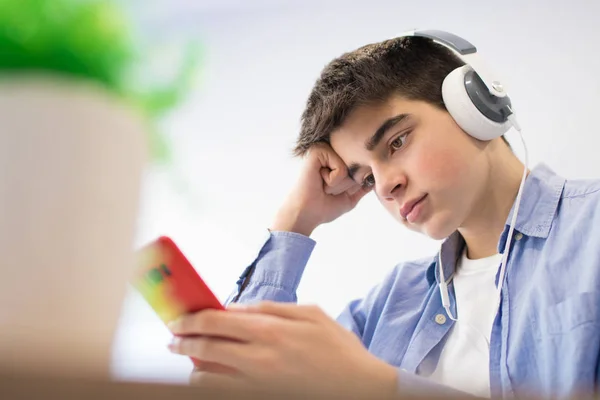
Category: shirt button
[440,319]
[518,236]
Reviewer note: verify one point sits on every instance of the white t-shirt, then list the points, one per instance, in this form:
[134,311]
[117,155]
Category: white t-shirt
[464,360]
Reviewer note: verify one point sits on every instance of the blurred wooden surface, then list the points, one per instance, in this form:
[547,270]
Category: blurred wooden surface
[25,386]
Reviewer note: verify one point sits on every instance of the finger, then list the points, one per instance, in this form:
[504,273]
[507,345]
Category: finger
[341,187]
[211,350]
[211,380]
[333,164]
[358,195]
[354,189]
[207,366]
[211,323]
[335,176]
[283,310]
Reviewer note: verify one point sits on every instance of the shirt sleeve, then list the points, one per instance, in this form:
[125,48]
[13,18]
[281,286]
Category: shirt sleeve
[275,275]
[276,272]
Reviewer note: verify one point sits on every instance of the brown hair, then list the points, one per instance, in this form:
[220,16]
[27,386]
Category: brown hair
[412,67]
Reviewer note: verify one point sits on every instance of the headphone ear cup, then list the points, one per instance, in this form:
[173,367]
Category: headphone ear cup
[464,111]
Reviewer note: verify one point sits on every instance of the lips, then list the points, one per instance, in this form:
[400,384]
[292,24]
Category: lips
[407,207]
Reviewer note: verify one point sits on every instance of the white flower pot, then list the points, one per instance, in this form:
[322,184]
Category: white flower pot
[71,162]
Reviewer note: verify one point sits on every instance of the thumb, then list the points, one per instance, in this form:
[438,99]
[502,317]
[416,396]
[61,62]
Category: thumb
[335,174]
[333,169]
[338,185]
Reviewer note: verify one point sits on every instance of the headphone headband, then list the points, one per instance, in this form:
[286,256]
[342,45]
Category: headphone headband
[450,40]
[467,52]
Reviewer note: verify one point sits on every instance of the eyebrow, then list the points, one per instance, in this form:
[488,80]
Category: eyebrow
[374,140]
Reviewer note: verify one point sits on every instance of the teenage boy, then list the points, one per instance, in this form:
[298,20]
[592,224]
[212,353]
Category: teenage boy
[376,122]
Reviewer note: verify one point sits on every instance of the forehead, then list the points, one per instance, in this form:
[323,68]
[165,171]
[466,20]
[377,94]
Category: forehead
[362,123]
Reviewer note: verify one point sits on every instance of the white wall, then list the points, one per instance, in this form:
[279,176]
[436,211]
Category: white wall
[234,137]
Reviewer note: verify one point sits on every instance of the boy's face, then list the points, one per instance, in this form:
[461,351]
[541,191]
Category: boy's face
[425,170]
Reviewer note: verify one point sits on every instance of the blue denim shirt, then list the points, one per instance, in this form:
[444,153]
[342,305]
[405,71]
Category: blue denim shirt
[545,339]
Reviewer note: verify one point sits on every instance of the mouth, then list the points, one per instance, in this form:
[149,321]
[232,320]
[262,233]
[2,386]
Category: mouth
[411,210]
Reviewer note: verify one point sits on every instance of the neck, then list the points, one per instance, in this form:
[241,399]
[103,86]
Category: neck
[483,227]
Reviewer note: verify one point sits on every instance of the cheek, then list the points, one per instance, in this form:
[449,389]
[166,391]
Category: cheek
[439,168]
[447,174]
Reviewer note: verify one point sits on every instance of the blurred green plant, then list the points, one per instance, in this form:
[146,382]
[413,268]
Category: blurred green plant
[96,41]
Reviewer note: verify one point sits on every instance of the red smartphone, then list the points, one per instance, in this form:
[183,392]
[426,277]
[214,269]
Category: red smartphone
[169,283]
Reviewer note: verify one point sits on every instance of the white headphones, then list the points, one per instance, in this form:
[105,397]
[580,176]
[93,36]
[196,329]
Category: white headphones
[480,106]
[473,96]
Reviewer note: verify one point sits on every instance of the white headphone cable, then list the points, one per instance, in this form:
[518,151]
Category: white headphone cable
[443,286]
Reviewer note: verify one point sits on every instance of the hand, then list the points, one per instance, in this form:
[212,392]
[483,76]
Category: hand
[323,192]
[277,346]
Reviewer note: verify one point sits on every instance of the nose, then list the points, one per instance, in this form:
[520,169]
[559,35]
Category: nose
[390,181]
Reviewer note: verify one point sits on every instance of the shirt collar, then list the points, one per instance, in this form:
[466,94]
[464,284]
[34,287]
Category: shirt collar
[541,194]
[539,202]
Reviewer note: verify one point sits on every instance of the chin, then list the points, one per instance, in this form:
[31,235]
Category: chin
[436,228]
[437,235]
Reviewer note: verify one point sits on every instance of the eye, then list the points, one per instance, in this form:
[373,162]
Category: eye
[368,182]
[397,143]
